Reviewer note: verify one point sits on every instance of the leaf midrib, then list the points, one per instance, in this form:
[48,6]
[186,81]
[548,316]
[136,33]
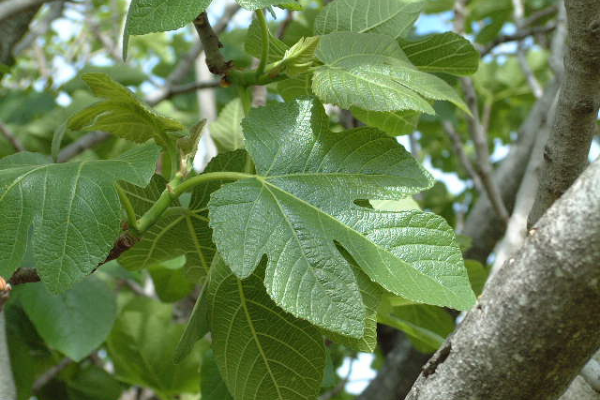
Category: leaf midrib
[265,182]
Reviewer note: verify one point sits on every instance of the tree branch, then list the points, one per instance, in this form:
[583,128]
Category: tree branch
[519,35]
[459,150]
[7,383]
[82,144]
[11,137]
[566,153]
[10,8]
[212,46]
[522,334]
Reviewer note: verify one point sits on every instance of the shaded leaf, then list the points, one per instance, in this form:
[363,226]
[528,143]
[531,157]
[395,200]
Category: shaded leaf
[212,384]
[73,208]
[121,113]
[262,352]
[395,123]
[447,52]
[75,322]
[142,344]
[226,131]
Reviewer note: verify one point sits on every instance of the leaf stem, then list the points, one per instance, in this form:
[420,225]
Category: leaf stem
[129,210]
[264,29]
[176,188]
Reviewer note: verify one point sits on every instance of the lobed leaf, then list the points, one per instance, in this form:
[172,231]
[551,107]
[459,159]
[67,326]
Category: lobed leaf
[371,72]
[146,16]
[262,352]
[447,52]
[121,113]
[72,209]
[75,322]
[389,17]
[302,202]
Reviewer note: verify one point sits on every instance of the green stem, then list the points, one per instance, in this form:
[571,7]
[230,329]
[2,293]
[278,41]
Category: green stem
[129,210]
[264,29]
[246,99]
[176,188]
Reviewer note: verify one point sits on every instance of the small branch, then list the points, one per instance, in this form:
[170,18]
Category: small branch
[52,373]
[41,28]
[212,46]
[480,140]
[567,151]
[10,8]
[172,91]
[30,275]
[535,17]
[285,24]
[11,137]
[519,15]
[459,150]
[7,384]
[591,374]
[82,144]
[520,35]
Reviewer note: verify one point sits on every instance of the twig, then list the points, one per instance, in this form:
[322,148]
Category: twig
[459,150]
[480,140]
[182,89]
[10,8]
[55,11]
[534,84]
[285,24]
[339,388]
[535,17]
[82,144]
[30,275]
[520,35]
[12,139]
[212,46]
[52,373]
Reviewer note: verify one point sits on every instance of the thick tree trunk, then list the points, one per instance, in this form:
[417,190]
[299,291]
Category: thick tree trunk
[566,153]
[536,324]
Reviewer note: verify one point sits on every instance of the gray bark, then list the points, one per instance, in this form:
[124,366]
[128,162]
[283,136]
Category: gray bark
[7,384]
[482,224]
[536,326]
[566,153]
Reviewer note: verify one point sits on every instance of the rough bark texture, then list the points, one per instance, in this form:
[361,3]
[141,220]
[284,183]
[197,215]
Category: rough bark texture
[536,325]
[482,224]
[7,385]
[566,153]
[12,30]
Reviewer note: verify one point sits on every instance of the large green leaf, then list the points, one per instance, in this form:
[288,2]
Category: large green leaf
[395,123]
[73,208]
[211,383]
[183,230]
[226,131]
[302,202]
[146,16]
[370,71]
[75,322]
[262,352]
[447,52]
[142,344]
[293,88]
[121,113]
[371,295]
[389,17]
